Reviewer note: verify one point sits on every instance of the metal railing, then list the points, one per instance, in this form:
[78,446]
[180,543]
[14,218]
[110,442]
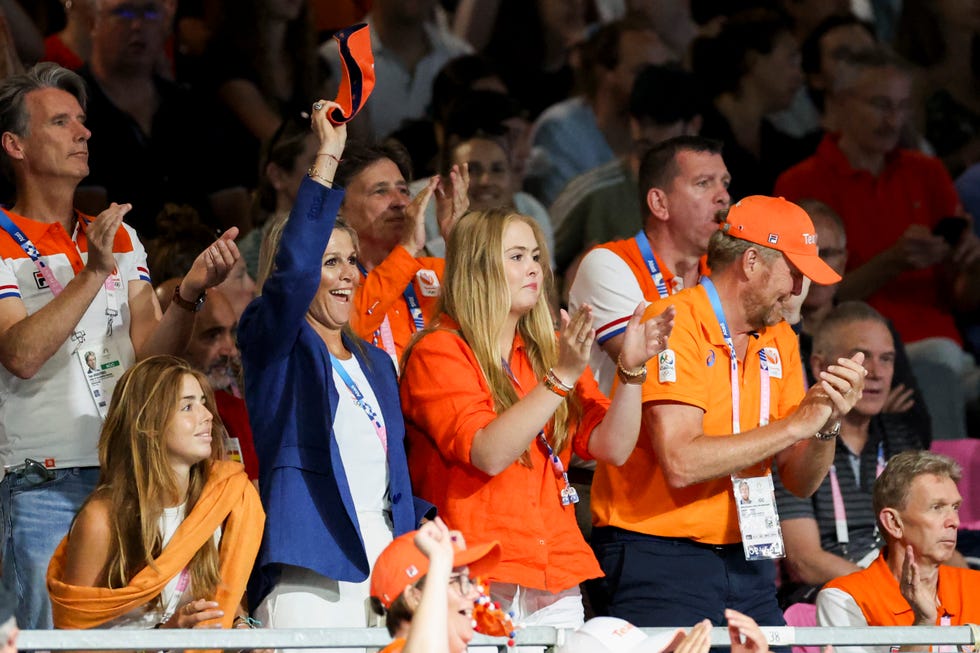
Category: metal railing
[156,640]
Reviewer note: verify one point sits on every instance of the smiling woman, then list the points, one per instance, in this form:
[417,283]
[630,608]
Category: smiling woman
[326,422]
[160,455]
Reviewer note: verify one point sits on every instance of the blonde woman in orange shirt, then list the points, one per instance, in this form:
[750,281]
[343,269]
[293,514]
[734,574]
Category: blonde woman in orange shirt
[495,403]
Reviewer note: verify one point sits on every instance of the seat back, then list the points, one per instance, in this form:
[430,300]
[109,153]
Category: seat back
[967,453]
[803,615]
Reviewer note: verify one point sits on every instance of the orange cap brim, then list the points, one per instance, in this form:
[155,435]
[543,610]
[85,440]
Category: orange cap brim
[814,268]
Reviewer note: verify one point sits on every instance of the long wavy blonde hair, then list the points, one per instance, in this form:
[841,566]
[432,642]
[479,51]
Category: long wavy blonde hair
[137,479]
[476,295]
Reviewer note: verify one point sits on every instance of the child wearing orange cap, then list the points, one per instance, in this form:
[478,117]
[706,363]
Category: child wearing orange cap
[406,588]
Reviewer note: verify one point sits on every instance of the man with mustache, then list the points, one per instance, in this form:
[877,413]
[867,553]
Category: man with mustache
[891,200]
[910,584]
[722,404]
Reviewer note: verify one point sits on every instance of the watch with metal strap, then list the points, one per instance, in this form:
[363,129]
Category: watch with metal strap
[830,434]
[193,306]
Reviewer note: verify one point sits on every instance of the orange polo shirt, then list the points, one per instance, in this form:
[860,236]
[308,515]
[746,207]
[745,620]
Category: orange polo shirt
[446,400]
[875,591]
[704,512]
[382,294]
[628,250]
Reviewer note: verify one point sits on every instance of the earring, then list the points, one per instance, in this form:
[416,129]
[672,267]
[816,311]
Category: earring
[67,5]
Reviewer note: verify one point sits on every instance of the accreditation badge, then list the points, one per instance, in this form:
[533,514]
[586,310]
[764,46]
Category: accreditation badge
[755,499]
[102,368]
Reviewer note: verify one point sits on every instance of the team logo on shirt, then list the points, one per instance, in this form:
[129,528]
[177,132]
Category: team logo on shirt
[428,283]
[775,362]
[667,366]
[710,360]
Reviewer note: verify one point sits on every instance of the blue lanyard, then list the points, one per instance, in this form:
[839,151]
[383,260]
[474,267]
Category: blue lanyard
[647,253]
[31,250]
[414,308]
[358,396]
[709,288]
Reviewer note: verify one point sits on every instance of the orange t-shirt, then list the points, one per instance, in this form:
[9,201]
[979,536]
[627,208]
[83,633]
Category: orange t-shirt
[396,646]
[704,512]
[875,591]
[628,250]
[382,294]
[446,400]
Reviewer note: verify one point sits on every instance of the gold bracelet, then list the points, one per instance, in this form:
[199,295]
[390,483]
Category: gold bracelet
[552,383]
[636,375]
[315,174]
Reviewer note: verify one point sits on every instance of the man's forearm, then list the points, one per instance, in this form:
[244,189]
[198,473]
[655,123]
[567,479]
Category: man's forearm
[28,344]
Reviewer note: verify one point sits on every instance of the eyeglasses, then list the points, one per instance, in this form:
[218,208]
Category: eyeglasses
[129,13]
[462,583]
[33,471]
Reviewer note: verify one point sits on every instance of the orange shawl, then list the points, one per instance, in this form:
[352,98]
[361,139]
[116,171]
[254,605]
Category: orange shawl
[228,501]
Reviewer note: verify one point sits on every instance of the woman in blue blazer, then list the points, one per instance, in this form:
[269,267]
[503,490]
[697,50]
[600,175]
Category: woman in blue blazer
[325,416]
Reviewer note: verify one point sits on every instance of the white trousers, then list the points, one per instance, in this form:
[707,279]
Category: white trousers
[304,599]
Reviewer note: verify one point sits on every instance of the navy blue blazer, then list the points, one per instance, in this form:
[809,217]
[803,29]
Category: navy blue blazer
[292,402]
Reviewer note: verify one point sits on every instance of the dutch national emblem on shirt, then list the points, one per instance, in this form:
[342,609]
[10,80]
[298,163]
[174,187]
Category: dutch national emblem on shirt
[667,366]
[775,362]
[428,283]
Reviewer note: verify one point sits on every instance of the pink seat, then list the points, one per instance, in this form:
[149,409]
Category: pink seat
[803,615]
[967,453]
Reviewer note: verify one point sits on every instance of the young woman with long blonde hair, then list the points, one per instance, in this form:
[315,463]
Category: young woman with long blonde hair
[495,403]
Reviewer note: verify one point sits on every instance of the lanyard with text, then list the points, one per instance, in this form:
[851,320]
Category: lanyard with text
[182,581]
[567,494]
[112,282]
[647,252]
[358,396]
[840,514]
[383,336]
[709,288]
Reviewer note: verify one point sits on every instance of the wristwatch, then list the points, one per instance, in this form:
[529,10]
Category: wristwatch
[193,306]
[831,434]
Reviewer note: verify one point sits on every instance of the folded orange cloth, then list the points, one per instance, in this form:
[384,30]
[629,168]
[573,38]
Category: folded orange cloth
[228,501]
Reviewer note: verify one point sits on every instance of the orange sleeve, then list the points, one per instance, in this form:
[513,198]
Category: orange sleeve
[686,345]
[381,288]
[594,406]
[444,394]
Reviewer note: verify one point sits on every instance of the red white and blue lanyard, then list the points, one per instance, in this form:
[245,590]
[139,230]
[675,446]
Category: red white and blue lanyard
[358,396]
[840,514]
[647,253]
[382,335]
[15,232]
[567,494]
[709,288]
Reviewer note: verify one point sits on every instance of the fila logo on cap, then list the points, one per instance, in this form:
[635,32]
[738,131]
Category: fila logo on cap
[773,238]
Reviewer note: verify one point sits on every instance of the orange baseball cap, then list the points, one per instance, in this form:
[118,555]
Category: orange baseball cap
[781,225]
[356,72]
[402,564]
